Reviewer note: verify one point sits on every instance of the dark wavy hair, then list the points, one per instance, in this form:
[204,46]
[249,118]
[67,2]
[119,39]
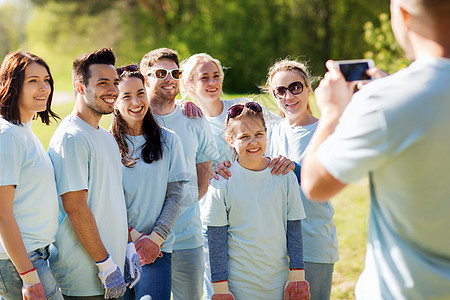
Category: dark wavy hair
[12,77]
[152,150]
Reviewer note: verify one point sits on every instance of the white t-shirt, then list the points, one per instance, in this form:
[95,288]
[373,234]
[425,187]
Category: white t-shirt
[396,129]
[256,207]
[145,185]
[25,164]
[86,158]
[198,146]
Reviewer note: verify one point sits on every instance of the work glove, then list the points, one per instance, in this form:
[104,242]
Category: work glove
[149,247]
[296,288]
[32,288]
[221,291]
[111,278]
[133,269]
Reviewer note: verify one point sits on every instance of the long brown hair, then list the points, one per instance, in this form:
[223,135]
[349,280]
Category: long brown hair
[152,150]
[12,77]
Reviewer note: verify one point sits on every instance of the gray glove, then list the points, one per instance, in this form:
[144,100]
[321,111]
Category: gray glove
[111,278]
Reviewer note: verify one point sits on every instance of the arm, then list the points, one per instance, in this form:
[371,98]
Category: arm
[12,242]
[171,209]
[83,224]
[203,175]
[332,96]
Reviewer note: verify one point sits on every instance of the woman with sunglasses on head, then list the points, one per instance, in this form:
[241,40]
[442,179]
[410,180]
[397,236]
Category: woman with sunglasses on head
[28,197]
[254,219]
[289,82]
[154,173]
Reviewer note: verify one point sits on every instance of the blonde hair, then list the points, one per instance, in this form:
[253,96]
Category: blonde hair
[188,66]
[289,65]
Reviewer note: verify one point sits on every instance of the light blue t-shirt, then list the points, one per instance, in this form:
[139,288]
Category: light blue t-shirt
[145,185]
[255,205]
[319,231]
[397,130]
[218,124]
[86,158]
[198,146]
[25,164]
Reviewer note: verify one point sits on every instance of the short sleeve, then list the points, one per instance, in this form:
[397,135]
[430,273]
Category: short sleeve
[215,210]
[11,159]
[177,165]
[207,149]
[295,209]
[358,144]
[70,159]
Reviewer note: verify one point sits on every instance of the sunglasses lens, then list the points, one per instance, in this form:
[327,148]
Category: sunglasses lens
[253,106]
[235,110]
[176,74]
[132,68]
[161,73]
[279,91]
[295,88]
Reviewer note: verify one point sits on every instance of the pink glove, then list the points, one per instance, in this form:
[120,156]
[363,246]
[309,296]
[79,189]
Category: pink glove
[222,297]
[32,288]
[297,290]
[149,248]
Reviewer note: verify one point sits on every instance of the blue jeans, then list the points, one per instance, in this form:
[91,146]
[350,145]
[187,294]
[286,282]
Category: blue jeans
[155,280]
[11,283]
[320,277]
[207,284]
[187,274]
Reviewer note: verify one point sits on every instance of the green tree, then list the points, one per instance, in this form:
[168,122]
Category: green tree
[13,16]
[386,53]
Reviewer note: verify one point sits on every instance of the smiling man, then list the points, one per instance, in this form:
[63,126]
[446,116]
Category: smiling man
[162,75]
[92,237]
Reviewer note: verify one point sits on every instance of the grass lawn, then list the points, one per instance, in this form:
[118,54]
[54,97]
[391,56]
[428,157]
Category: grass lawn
[351,207]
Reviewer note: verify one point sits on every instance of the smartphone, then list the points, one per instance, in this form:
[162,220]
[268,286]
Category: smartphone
[355,69]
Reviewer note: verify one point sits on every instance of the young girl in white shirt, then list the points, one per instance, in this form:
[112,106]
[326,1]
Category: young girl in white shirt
[254,219]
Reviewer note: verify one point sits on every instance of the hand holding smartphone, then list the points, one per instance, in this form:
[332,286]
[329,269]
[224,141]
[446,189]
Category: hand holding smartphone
[355,69]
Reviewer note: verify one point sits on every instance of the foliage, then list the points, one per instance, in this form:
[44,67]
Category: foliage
[12,20]
[246,35]
[386,53]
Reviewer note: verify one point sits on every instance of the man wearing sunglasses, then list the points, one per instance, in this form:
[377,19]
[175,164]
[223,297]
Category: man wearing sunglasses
[162,75]
[396,130]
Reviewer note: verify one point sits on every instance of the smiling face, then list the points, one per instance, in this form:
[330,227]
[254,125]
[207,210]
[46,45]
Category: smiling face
[206,81]
[132,102]
[101,92]
[249,140]
[293,106]
[35,91]
[166,89]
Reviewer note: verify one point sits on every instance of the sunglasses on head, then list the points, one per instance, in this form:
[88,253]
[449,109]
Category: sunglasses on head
[295,88]
[162,73]
[237,109]
[129,68]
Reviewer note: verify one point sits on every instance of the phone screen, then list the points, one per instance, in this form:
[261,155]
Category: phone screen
[355,71]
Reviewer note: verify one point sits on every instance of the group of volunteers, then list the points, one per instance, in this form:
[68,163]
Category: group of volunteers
[178,200]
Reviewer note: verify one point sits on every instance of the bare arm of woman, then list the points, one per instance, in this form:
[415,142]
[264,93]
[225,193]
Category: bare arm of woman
[12,242]
[203,175]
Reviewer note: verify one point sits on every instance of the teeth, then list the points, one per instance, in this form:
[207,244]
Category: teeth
[136,109]
[291,104]
[253,150]
[109,100]
[168,87]
[40,98]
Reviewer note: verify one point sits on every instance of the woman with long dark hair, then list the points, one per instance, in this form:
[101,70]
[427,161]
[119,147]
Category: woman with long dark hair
[28,197]
[154,173]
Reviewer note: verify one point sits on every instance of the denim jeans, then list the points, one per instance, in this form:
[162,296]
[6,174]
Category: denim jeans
[320,277]
[155,280]
[187,274]
[207,284]
[11,283]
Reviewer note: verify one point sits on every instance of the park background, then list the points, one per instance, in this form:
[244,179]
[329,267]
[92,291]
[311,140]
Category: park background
[247,36]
